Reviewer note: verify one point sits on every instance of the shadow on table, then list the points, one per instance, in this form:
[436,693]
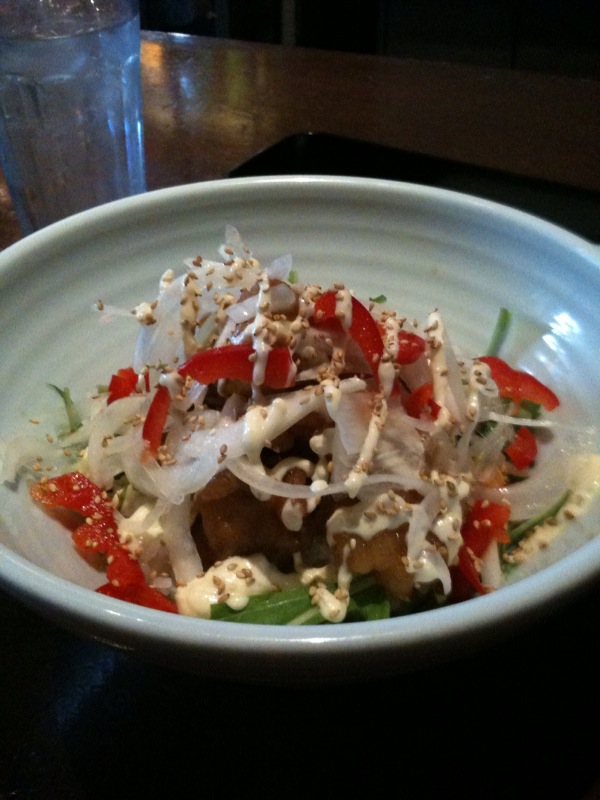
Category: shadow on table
[84,721]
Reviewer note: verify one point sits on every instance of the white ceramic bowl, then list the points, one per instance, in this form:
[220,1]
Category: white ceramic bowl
[422,248]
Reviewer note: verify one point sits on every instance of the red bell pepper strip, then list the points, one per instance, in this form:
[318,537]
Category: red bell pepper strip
[462,587]
[363,328]
[522,450]
[74,492]
[123,383]
[486,522]
[123,569]
[235,361]
[518,386]
[126,582]
[146,596]
[156,418]
[97,538]
[420,402]
[411,346]
[469,572]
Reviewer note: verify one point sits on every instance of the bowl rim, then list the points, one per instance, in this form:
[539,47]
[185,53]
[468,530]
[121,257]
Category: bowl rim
[97,613]
[101,215]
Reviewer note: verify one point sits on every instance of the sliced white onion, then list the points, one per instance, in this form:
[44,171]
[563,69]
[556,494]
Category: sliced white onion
[421,521]
[352,420]
[531,496]
[458,403]
[234,242]
[430,567]
[244,311]
[507,419]
[162,342]
[486,451]
[400,447]
[282,298]
[254,476]
[111,435]
[183,554]
[416,374]
[280,268]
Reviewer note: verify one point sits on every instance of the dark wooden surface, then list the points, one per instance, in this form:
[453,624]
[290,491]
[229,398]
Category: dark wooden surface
[81,720]
[211,104]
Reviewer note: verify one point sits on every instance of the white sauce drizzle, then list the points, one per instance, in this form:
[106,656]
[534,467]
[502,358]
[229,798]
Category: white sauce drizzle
[332,605]
[259,330]
[386,374]
[431,567]
[357,476]
[232,581]
[439,368]
[343,307]
[294,510]
[447,525]
[260,425]
[369,517]
[392,328]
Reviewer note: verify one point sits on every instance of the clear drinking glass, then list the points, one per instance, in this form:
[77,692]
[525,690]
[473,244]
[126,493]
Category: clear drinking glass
[71,131]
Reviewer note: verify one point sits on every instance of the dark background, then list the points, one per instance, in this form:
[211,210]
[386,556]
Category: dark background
[555,36]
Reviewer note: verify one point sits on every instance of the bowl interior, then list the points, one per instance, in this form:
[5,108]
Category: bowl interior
[422,248]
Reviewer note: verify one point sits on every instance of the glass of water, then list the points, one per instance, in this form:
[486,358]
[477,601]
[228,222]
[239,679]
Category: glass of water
[71,131]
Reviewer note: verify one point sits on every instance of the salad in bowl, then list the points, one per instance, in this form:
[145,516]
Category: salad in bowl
[286,453]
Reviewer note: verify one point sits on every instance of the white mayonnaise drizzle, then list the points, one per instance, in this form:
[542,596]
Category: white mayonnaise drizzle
[386,374]
[259,330]
[369,517]
[261,425]
[293,510]
[431,567]
[343,307]
[232,581]
[357,476]
[447,525]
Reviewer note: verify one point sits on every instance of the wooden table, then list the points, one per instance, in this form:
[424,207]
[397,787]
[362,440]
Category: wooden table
[211,104]
[80,720]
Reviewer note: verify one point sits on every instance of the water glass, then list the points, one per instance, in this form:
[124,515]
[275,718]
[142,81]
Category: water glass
[71,131]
